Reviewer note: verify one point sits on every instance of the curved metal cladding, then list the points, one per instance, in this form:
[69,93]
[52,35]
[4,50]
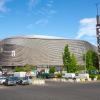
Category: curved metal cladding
[19,51]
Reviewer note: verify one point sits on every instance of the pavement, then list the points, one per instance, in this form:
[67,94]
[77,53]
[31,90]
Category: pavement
[52,91]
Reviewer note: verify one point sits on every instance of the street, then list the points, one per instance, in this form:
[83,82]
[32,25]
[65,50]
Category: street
[52,91]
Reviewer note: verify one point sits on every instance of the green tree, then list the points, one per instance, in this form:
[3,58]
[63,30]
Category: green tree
[92,60]
[80,68]
[28,68]
[66,59]
[73,64]
[18,69]
[89,60]
[95,60]
[52,69]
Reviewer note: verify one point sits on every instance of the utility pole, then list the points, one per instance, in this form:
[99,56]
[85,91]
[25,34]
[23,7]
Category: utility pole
[98,32]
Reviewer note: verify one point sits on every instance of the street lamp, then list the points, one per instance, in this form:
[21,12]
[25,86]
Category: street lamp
[84,50]
[85,63]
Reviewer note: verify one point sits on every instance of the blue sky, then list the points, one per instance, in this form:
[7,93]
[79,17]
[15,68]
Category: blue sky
[73,19]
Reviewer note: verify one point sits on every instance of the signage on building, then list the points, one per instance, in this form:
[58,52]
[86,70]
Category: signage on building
[13,53]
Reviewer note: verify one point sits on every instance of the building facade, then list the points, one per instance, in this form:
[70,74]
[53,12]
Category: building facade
[19,51]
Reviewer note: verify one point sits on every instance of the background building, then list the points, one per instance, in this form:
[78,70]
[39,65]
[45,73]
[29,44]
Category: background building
[42,52]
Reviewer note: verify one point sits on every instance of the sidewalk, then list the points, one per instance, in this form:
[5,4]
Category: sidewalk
[70,81]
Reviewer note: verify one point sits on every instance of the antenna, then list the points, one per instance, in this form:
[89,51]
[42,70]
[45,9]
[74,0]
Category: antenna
[97,17]
[97,8]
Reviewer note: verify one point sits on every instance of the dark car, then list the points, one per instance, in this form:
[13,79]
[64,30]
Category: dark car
[47,75]
[10,81]
[52,75]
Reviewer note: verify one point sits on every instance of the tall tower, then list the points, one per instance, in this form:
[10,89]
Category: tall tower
[98,32]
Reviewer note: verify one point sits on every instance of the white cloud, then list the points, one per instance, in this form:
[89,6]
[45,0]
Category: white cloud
[44,13]
[32,3]
[42,22]
[47,10]
[3,7]
[43,36]
[87,28]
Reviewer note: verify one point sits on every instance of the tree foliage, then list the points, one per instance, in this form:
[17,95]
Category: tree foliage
[92,60]
[52,69]
[18,69]
[73,64]
[66,58]
[26,68]
[95,60]
[69,61]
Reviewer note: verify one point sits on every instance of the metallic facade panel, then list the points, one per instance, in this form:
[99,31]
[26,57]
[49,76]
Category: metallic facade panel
[39,51]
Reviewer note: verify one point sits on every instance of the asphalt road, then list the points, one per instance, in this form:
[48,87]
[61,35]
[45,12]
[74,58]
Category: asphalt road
[52,91]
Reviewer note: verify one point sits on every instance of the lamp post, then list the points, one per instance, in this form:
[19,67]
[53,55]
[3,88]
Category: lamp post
[84,50]
[85,63]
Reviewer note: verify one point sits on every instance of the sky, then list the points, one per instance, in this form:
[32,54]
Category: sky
[71,19]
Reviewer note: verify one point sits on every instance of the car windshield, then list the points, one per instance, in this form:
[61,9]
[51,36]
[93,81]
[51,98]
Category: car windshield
[2,78]
[11,78]
[25,78]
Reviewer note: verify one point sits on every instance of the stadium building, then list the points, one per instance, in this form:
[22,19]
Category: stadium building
[41,52]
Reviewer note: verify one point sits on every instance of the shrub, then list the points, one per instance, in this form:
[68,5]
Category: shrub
[92,76]
[52,69]
[58,75]
[98,76]
[18,69]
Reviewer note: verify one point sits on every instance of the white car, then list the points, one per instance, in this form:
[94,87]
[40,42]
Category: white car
[2,80]
[82,76]
[68,75]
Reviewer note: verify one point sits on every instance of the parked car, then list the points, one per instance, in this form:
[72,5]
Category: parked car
[2,80]
[52,75]
[10,81]
[23,81]
[47,75]
[69,75]
[82,76]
